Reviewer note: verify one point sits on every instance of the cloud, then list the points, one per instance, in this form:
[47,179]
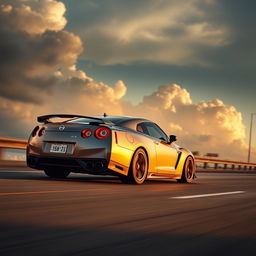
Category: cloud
[16,118]
[157,31]
[38,56]
[88,96]
[33,47]
[38,68]
[168,97]
[203,126]
[33,17]
[38,65]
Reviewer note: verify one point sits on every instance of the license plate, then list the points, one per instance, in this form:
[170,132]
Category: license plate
[58,148]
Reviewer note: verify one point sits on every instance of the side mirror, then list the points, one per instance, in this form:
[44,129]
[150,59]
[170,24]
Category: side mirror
[172,138]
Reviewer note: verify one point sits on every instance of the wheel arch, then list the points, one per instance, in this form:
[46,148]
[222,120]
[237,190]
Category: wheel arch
[183,158]
[144,150]
[182,179]
[130,177]
[140,147]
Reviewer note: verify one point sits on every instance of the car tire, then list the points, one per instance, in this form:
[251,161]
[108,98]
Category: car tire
[56,173]
[188,173]
[138,168]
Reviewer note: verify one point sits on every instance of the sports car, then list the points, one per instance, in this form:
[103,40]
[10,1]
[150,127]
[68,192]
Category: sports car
[131,148]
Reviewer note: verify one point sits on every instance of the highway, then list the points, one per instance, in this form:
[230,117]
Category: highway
[88,215]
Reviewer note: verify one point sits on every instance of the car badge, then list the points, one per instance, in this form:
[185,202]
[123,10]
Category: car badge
[61,128]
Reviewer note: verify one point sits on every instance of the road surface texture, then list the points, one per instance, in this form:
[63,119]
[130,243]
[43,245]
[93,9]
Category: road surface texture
[86,215]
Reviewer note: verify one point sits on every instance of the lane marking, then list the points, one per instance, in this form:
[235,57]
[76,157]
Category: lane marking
[46,192]
[208,195]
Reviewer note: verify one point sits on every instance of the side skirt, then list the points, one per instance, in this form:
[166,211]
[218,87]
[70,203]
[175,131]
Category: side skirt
[160,175]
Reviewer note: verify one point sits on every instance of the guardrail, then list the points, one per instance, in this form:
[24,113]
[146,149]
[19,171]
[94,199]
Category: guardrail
[11,143]
[226,164]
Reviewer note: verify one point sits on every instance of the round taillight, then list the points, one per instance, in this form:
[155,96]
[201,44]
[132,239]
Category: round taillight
[102,133]
[86,133]
[35,130]
[41,131]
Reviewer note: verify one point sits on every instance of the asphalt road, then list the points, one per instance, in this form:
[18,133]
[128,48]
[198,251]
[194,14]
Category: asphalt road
[85,215]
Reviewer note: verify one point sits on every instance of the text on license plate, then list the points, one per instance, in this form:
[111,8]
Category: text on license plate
[58,148]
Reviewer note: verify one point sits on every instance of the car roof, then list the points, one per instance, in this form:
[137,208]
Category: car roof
[120,119]
[125,121]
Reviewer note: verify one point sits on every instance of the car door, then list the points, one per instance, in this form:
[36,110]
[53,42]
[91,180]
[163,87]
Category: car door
[166,154]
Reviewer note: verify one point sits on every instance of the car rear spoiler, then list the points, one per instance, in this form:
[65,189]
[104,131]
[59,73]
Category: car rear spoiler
[46,119]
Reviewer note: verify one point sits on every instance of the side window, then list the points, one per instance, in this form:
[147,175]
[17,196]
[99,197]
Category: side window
[155,131]
[141,128]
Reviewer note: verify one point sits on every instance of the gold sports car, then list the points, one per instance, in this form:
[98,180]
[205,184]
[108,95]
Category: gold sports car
[132,148]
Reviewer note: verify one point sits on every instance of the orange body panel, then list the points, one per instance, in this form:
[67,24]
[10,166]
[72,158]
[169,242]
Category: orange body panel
[163,158]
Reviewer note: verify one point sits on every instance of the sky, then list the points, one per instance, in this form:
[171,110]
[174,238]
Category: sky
[188,65]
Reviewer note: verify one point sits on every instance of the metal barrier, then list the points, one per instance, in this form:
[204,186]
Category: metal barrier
[11,143]
[6,143]
[226,164]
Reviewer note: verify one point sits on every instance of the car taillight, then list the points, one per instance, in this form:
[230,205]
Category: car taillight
[41,131]
[102,133]
[35,130]
[86,133]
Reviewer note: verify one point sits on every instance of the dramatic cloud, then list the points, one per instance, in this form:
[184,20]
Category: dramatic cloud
[33,17]
[38,65]
[203,126]
[33,47]
[149,30]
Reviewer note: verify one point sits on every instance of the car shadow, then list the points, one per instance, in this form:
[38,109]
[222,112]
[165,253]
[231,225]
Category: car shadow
[30,174]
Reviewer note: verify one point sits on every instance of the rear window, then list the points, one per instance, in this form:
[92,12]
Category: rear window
[83,121]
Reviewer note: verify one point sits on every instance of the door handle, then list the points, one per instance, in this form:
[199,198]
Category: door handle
[156,142]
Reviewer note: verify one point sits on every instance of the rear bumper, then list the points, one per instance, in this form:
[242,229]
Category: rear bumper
[80,165]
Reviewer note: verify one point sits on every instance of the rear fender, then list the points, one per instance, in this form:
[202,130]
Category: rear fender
[124,144]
